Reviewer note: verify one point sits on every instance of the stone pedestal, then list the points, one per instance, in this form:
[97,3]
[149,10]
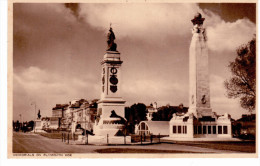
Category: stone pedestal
[38,125]
[111,99]
[109,126]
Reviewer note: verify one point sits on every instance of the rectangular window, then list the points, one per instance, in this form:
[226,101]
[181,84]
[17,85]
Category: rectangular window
[195,130]
[179,129]
[199,129]
[214,130]
[209,129]
[225,130]
[174,129]
[219,129]
[204,129]
[185,129]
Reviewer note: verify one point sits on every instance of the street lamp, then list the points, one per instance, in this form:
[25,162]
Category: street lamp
[34,103]
[20,117]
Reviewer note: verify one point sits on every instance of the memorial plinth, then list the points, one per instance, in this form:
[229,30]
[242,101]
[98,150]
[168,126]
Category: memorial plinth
[38,126]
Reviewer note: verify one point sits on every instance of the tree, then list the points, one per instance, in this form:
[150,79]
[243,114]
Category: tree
[134,115]
[93,103]
[165,113]
[139,112]
[242,84]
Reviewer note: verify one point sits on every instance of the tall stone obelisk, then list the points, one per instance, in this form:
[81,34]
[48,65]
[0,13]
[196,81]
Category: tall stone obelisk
[199,95]
[111,103]
[200,123]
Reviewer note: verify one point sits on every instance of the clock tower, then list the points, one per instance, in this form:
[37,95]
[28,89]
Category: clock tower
[199,95]
[111,100]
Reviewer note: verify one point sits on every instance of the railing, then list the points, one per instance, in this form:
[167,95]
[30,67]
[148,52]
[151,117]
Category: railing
[146,139]
[135,139]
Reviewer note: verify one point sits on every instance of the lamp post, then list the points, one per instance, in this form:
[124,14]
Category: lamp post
[34,103]
[85,126]
[20,123]
[20,117]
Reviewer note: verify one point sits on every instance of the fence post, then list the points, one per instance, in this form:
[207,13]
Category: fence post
[141,138]
[159,138]
[107,139]
[144,137]
[87,138]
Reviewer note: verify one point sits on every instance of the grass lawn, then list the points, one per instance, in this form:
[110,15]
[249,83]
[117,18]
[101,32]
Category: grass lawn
[243,146]
[129,150]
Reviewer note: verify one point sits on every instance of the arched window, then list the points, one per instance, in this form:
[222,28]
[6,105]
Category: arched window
[143,129]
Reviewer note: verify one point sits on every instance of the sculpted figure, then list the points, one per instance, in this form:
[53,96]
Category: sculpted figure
[39,115]
[111,45]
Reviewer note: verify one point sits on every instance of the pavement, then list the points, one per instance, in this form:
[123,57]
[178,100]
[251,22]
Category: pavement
[217,139]
[34,143]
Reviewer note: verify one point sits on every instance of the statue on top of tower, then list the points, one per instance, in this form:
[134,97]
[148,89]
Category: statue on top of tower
[197,25]
[197,19]
[111,45]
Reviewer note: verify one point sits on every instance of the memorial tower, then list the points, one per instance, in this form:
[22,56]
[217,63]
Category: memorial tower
[199,123]
[111,104]
[199,92]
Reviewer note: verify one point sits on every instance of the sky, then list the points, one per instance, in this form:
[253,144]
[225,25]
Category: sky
[57,50]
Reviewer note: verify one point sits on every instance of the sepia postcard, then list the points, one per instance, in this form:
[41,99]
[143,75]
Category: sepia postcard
[164,79]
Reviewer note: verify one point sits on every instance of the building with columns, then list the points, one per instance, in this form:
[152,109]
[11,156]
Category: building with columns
[200,121]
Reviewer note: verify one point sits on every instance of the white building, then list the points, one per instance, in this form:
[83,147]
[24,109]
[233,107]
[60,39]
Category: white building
[153,128]
[152,108]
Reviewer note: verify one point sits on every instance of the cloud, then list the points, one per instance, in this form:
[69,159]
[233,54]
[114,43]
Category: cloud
[156,22]
[228,36]
[50,88]
[141,21]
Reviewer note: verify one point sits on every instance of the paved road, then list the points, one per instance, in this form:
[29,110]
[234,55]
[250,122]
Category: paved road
[33,143]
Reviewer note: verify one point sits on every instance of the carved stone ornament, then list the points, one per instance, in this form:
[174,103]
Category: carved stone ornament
[113,80]
[203,99]
[113,70]
[197,19]
[103,80]
[113,88]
